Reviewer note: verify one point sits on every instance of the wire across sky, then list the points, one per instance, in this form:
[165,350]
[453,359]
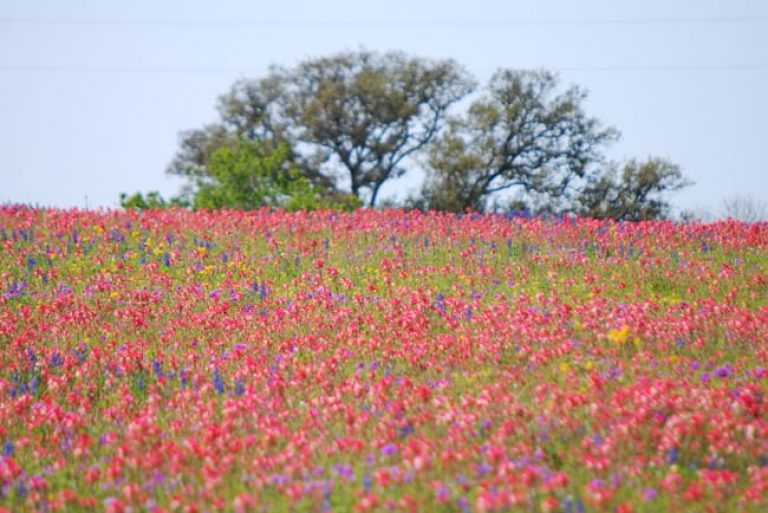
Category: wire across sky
[452,24]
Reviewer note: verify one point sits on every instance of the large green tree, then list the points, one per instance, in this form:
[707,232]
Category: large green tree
[356,120]
[355,116]
[364,113]
[520,134]
[246,175]
[250,111]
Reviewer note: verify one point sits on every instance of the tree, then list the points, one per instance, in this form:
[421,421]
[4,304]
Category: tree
[745,208]
[356,120]
[520,134]
[368,112]
[250,111]
[153,200]
[248,176]
[359,115]
[635,194]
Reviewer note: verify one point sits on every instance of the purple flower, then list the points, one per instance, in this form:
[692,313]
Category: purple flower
[389,450]
[596,484]
[649,494]
[724,371]
[345,471]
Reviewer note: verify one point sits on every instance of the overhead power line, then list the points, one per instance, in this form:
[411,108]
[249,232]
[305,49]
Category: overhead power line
[226,70]
[666,67]
[379,23]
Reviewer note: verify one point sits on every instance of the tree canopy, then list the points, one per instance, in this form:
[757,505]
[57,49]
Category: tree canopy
[356,116]
[368,113]
[342,126]
[635,193]
[519,134]
[245,176]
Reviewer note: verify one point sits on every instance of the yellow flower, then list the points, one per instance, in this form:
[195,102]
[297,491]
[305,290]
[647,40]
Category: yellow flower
[619,336]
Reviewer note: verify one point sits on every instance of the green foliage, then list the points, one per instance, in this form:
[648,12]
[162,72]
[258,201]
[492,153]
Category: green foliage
[519,134]
[367,113]
[635,194]
[355,115]
[357,120]
[153,200]
[246,176]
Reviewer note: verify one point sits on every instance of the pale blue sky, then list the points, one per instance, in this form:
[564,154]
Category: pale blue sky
[94,93]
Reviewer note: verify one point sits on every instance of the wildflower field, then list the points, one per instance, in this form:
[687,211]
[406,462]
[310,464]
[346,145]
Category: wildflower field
[172,361]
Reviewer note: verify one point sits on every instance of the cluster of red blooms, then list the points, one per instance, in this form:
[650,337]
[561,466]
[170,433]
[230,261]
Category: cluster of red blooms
[177,361]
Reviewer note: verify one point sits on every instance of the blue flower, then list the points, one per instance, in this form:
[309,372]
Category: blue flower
[218,383]
[81,353]
[672,455]
[157,368]
[572,505]
[56,360]
[439,302]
